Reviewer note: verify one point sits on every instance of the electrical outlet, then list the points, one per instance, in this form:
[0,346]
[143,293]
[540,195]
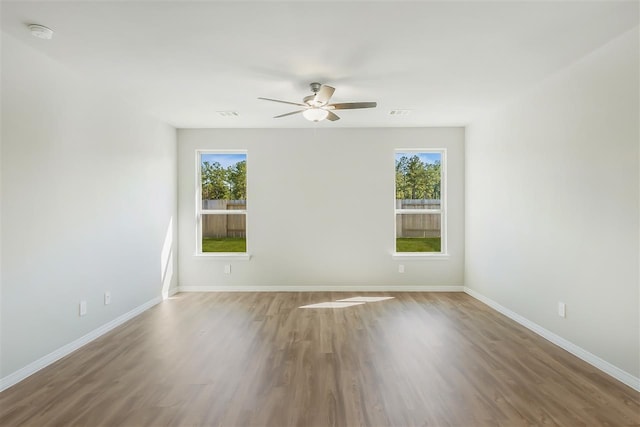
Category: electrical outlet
[83,308]
[562,309]
[107,298]
[227,269]
[401,268]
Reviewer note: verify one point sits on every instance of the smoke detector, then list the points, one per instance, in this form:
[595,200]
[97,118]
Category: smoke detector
[41,31]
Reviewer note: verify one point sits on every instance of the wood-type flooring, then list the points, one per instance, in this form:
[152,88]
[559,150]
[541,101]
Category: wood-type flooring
[256,359]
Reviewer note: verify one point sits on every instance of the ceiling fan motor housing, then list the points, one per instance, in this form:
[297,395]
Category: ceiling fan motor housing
[310,101]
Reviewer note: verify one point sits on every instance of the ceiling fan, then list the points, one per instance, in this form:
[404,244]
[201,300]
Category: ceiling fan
[317,107]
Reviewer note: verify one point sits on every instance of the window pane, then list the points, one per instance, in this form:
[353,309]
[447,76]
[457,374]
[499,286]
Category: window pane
[224,233]
[418,180]
[224,180]
[418,232]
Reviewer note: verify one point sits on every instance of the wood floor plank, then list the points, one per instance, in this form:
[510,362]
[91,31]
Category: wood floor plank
[257,359]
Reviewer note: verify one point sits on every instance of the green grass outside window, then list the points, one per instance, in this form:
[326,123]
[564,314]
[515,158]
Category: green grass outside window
[418,244]
[225,244]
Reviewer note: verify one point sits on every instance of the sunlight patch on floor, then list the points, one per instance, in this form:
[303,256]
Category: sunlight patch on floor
[347,302]
[365,299]
[331,305]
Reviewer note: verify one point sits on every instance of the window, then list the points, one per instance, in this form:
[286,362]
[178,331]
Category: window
[222,202]
[420,206]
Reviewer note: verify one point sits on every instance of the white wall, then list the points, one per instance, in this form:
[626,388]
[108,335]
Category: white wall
[89,191]
[552,204]
[321,208]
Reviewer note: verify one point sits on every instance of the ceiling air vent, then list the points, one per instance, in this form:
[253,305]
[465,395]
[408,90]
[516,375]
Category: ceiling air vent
[399,112]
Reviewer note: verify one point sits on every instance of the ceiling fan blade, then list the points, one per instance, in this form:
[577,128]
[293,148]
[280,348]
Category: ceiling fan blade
[283,102]
[324,94]
[288,114]
[332,116]
[352,105]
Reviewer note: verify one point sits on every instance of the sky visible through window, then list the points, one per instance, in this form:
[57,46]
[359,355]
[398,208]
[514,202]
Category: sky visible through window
[225,159]
[428,158]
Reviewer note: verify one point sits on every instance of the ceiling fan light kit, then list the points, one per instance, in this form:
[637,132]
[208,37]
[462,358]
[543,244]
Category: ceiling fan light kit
[316,107]
[315,114]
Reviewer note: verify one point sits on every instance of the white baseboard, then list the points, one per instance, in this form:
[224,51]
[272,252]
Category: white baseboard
[606,367]
[324,288]
[65,350]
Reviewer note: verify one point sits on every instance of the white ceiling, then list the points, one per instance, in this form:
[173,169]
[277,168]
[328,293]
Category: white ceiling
[446,61]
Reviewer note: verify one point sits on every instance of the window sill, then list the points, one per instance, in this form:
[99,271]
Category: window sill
[419,256]
[227,256]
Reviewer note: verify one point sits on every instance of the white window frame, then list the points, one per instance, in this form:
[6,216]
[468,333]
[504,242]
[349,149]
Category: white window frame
[443,254]
[199,212]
